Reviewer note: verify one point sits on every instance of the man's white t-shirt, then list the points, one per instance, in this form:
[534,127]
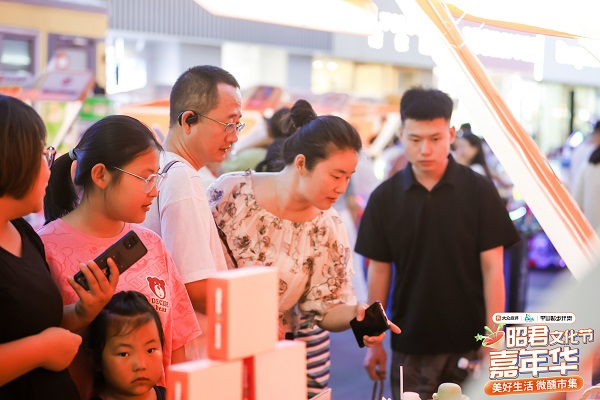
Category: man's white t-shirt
[182,217]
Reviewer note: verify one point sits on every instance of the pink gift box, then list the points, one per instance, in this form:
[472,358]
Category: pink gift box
[242,312]
[205,379]
[277,374]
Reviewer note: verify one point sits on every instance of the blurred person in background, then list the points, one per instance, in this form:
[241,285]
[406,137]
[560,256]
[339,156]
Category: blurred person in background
[468,151]
[472,151]
[279,127]
[586,189]
[580,155]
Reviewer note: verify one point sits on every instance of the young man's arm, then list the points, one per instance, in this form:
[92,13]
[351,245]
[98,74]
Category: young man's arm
[197,292]
[492,270]
[178,355]
[378,282]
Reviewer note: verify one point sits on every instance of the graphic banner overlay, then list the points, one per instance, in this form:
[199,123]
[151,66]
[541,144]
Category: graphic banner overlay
[529,357]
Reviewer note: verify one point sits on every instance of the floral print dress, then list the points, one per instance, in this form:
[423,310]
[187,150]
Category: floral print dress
[313,259]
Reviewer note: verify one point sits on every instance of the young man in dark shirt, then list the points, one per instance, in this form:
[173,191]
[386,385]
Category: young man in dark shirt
[443,227]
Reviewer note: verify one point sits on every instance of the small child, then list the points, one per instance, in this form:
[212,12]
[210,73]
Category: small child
[126,343]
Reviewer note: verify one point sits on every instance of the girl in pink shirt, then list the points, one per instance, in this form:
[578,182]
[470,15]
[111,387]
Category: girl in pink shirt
[115,171]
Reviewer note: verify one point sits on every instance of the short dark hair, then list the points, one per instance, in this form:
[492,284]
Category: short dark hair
[596,128]
[280,127]
[196,89]
[124,313]
[423,104]
[113,141]
[22,137]
[317,136]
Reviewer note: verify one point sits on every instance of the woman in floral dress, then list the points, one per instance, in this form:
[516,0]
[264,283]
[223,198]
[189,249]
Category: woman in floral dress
[285,219]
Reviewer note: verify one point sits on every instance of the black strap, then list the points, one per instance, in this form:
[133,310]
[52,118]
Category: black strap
[168,166]
[164,172]
[224,240]
[221,233]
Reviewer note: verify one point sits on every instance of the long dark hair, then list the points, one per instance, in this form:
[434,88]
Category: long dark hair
[595,157]
[479,157]
[124,313]
[113,141]
[317,136]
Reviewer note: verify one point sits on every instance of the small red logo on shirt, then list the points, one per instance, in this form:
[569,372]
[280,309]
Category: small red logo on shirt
[157,286]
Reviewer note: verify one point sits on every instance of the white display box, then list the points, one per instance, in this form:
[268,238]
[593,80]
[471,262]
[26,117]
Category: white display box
[277,374]
[205,379]
[242,311]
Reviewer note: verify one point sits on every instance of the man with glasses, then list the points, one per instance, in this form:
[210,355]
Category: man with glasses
[205,112]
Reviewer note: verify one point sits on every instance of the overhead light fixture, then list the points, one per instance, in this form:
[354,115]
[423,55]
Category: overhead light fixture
[356,17]
[571,19]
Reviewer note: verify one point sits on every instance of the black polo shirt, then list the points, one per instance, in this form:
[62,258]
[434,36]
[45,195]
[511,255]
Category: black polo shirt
[434,239]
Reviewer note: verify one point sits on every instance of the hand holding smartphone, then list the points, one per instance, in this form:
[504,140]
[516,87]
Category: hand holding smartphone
[374,323]
[125,252]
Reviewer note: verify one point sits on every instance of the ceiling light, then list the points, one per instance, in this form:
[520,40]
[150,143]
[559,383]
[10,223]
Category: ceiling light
[358,17]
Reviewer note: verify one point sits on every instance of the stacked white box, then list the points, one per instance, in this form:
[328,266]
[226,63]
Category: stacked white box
[246,361]
[242,310]
[277,374]
[205,379]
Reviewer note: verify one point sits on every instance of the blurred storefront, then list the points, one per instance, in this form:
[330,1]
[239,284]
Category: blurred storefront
[550,85]
[42,34]
[137,48]
[52,56]
[299,60]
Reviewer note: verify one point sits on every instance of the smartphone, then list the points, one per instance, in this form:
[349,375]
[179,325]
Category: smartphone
[125,252]
[374,323]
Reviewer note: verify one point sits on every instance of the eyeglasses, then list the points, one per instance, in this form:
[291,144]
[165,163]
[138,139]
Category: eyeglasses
[49,155]
[153,180]
[230,127]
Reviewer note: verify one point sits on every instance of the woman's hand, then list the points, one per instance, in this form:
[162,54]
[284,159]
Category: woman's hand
[370,341]
[59,347]
[91,302]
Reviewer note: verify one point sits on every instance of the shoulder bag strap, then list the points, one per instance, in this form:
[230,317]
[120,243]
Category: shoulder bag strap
[164,172]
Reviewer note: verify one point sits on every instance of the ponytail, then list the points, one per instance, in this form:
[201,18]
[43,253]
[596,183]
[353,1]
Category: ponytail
[61,197]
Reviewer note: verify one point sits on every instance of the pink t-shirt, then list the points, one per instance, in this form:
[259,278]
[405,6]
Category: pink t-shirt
[154,275]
